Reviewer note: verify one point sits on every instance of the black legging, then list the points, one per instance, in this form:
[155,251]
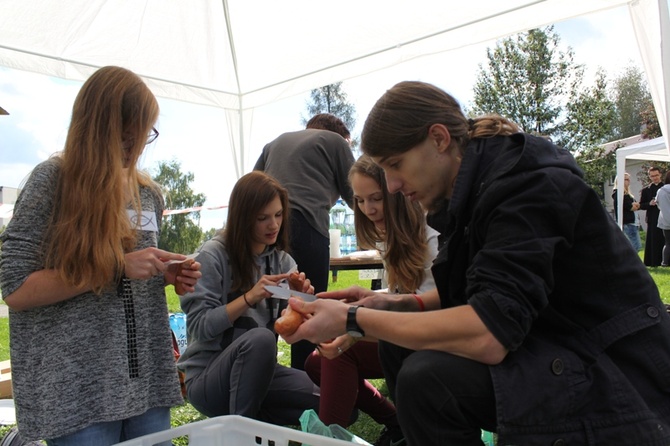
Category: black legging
[311,251]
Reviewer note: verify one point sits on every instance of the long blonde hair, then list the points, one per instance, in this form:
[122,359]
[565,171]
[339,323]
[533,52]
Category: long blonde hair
[90,230]
[401,118]
[626,188]
[406,248]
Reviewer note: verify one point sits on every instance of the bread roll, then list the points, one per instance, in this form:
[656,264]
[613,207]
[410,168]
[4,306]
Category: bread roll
[179,286]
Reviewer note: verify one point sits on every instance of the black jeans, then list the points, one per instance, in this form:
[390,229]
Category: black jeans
[442,399]
[311,251]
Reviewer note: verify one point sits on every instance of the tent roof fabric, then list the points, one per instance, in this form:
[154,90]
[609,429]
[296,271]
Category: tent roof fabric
[240,54]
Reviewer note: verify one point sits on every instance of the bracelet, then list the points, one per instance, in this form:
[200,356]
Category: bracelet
[422,307]
[244,296]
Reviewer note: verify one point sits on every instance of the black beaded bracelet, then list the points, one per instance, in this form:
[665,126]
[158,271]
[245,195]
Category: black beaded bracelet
[244,296]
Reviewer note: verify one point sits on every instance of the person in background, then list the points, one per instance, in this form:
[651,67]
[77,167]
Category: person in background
[313,165]
[663,203]
[630,226]
[397,228]
[231,358]
[542,328]
[653,245]
[91,348]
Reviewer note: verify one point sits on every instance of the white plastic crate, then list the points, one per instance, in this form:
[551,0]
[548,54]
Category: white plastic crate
[235,430]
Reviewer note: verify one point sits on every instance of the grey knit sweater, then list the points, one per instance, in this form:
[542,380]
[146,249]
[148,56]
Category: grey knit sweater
[91,358]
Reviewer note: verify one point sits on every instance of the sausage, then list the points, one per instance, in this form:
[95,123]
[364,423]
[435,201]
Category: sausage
[179,286]
[295,282]
[289,322]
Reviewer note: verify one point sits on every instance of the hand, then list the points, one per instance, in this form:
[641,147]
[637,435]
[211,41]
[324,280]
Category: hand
[258,292]
[148,262]
[183,276]
[306,284]
[635,206]
[361,296]
[336,347]
[325,320]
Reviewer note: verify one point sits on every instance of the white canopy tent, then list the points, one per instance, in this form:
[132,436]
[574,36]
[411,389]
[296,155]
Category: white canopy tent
[241,54]
[651,149]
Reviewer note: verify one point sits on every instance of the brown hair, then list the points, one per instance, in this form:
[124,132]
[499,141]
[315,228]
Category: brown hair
[401,118]
[90,230]
[326,121]
[251,194]
[406,248]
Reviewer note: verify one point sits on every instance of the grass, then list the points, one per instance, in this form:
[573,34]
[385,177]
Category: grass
[365,427]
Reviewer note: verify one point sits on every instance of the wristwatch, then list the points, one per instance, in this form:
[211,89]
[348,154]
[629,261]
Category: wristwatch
[353,329]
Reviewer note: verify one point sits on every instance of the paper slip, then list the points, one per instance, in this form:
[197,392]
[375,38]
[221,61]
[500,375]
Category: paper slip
[188,257]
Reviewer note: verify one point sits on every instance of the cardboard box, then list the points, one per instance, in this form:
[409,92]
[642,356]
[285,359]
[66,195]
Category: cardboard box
[5,379]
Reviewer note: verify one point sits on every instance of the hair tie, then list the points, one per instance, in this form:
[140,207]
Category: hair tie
[471,124]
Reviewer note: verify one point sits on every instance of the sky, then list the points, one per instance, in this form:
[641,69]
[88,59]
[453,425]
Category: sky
[191,134]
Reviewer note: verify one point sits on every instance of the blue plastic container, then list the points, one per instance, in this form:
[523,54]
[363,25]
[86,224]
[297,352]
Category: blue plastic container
[178,325]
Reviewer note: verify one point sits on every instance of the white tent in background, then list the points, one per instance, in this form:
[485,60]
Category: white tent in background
[241,54]
[651,149]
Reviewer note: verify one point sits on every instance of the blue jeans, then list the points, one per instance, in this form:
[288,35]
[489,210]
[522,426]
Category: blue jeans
[112,432]
[632,231]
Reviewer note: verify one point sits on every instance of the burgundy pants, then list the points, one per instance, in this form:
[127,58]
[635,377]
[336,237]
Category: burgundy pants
[344,385]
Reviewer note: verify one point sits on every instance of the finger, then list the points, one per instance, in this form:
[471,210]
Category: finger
[167,255]
[158,266]
[299,305]
[275,277]
[330,294]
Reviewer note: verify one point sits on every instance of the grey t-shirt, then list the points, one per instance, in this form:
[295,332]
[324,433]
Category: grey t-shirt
[313,165]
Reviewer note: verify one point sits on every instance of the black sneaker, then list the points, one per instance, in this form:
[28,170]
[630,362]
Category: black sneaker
[391,437]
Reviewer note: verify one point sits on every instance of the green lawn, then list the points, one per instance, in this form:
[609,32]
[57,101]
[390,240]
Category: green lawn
[365,427]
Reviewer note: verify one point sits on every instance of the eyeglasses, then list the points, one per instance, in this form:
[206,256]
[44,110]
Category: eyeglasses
[152,136]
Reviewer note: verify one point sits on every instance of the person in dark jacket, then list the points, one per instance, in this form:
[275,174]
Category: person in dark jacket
[653,245]
[545,327]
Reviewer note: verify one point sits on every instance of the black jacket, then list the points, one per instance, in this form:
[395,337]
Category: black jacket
[532,249]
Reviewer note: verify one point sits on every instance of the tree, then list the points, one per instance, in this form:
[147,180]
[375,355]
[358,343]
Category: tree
[649,121]
[332,99]
[591,122]
[179,232]
[591,116]
[631,98]
[525,80]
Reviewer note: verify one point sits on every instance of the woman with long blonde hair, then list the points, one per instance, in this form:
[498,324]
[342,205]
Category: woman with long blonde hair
[630,205]
[91,350]
[543,327]
[397,228]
